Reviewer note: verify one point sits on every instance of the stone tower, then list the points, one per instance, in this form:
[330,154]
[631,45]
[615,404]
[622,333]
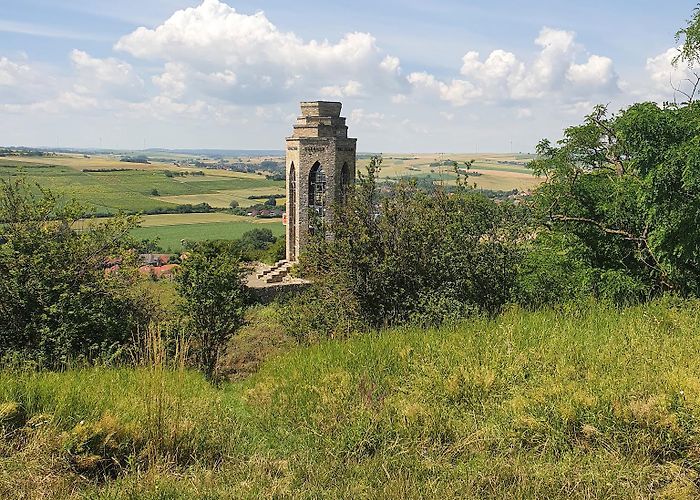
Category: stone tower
[320,167]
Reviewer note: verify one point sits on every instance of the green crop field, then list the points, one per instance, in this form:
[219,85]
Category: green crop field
[170,230]
[133,189]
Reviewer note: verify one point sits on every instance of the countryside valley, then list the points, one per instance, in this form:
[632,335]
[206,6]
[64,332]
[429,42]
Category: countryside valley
[324,321]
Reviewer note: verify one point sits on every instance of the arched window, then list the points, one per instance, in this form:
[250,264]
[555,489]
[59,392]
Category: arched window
[317,196]
[317,187]
[292,213]
[345,181]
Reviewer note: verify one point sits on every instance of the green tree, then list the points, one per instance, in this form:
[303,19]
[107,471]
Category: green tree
[690,36]
[233,204]
[415,255]
[271,202]
[66,284]
[626,185]
[211,285]
[689,54]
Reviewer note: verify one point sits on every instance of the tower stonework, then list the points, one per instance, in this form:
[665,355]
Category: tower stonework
[320,168]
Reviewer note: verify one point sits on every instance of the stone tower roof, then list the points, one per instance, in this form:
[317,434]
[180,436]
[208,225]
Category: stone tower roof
[320,119]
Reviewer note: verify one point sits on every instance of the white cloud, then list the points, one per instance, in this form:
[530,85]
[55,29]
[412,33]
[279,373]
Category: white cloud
[398,98]
[351,89]
[13,73]
[665,76]
[502,77]
[106,79]
[391,64]
[456,92]
[367,119]
[172,82]
[65,101]
[268,64]
[109,70]
[597,72]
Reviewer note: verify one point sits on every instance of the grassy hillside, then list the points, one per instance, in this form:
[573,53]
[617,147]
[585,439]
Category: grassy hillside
[542,405]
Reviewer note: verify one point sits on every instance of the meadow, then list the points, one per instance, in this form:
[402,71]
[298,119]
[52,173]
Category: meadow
[169,230]
[580,403]
[133,188]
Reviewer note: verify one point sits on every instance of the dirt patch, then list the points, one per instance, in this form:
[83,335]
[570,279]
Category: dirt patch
[261,338]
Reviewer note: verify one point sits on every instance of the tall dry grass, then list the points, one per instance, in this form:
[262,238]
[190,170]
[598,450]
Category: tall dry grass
[595,403]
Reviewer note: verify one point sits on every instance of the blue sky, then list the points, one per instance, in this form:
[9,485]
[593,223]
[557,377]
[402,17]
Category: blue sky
[413,75]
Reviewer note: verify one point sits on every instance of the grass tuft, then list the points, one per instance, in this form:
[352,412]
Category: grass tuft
[552,404]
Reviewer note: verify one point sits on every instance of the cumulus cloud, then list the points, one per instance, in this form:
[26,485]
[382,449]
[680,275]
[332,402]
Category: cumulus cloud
[109,70]
[366,119]
[351,89]
[457,92]
[668,78]
[597,72]
[213,42]
[12,73]
[501,76]
[107,78]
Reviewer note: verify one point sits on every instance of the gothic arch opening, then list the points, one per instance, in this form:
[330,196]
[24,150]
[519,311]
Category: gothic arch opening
[292,213]
[317,196]
[345,181]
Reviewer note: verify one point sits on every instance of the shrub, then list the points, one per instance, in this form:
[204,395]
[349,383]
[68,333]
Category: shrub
[211,286]
[416,255]
[66,286]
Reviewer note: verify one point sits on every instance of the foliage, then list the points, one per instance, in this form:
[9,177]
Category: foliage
[625,187]
[417,256]
[210,283]
[554,270]
[550,404]
[257,239]
[233,204]
[690,48]
[58,302]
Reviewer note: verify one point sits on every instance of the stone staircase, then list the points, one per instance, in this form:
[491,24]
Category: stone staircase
[275,273]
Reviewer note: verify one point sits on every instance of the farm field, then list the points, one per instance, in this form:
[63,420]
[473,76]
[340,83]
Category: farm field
[170,230]
[222,199]
[141,187]
[498,172]
[135,188]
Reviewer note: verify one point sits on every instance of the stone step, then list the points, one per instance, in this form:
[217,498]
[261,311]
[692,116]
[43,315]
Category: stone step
[265,272]
[278,275]
[274,279]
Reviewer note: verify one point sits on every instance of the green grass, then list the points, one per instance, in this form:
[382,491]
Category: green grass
[593,404]
[131,190]
[170,237]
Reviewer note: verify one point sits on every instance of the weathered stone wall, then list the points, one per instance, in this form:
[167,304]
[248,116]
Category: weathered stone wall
[320,135]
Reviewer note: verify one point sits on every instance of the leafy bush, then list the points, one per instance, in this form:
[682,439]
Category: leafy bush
[66,291]
[626,187]
[210,283]
[417,256]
